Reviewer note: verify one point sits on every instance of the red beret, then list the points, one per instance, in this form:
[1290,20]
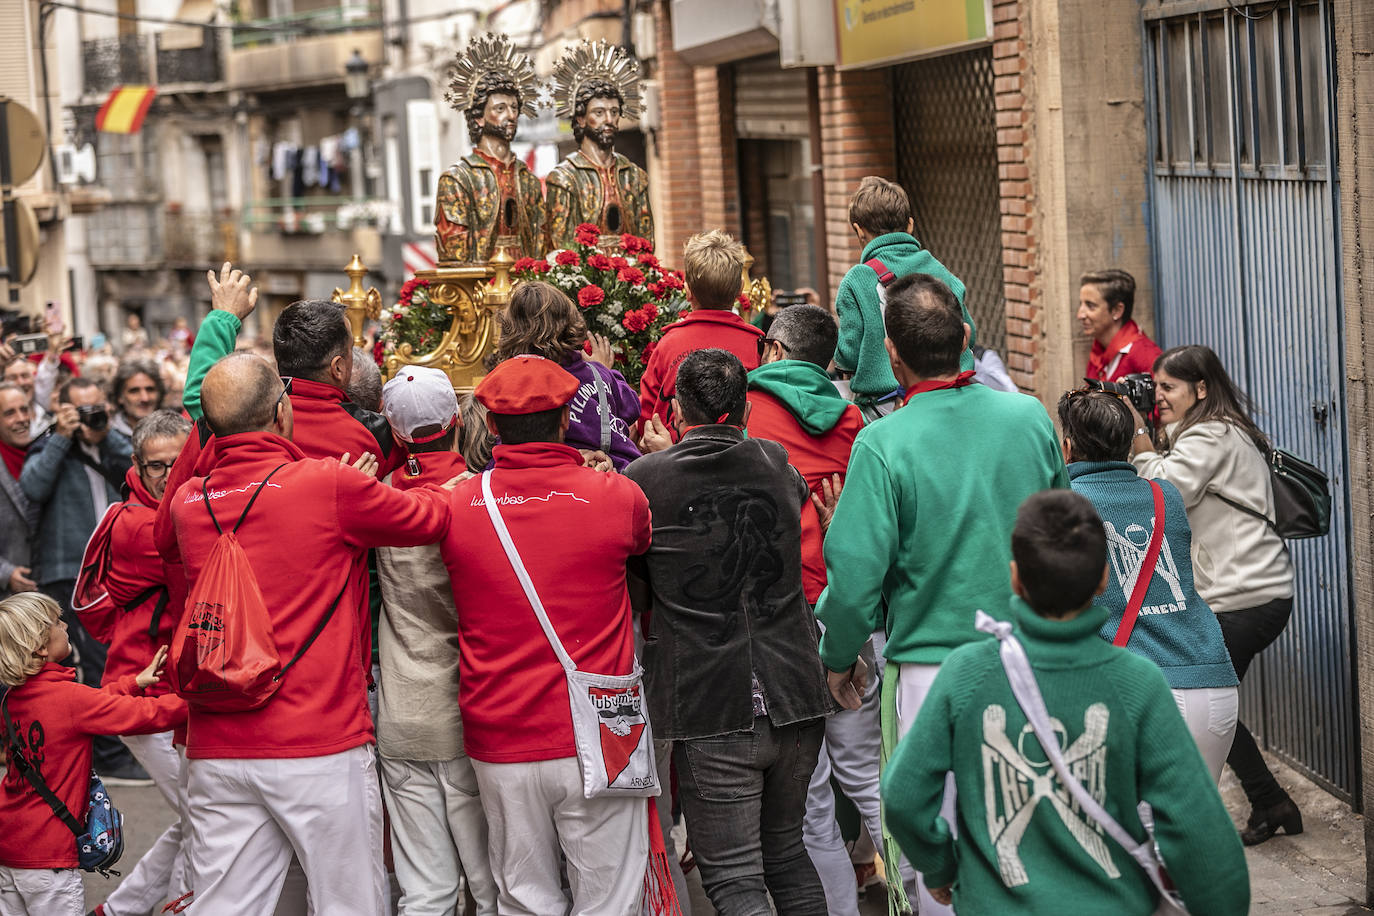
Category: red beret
[526,384]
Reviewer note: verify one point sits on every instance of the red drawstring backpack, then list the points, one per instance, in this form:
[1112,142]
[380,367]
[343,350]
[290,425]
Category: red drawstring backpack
[224,654]
[91,600]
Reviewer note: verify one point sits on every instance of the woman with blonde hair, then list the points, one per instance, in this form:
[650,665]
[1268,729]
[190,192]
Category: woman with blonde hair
[1210,449]
[543,321]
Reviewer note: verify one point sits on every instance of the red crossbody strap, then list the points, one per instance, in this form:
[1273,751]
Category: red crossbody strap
[1146,574]
[885,276]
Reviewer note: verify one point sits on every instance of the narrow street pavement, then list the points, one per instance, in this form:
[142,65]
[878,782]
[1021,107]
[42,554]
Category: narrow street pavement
[1319,873]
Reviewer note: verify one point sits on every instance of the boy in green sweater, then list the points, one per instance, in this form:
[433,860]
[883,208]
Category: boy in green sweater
[880,214]
[1024,845]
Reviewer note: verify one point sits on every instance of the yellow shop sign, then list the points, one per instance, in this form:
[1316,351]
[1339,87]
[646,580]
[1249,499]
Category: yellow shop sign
[870,33]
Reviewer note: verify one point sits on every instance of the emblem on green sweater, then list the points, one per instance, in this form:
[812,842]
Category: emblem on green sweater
[1017,778]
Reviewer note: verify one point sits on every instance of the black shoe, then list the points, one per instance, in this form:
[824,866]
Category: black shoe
[1265,822]
[126,774]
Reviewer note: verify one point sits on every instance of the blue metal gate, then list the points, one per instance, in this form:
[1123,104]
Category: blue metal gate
[1246,261]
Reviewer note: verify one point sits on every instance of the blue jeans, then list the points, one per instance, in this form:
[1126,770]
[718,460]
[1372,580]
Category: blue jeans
[744,797]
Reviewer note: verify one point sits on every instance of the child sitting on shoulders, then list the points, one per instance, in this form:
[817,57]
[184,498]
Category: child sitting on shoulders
[1023,845]
[53,719]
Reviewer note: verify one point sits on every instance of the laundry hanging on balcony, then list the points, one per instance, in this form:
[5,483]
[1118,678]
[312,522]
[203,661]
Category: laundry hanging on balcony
[125,109]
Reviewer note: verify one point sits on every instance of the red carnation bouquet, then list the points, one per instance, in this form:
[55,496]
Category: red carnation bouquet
[627,296]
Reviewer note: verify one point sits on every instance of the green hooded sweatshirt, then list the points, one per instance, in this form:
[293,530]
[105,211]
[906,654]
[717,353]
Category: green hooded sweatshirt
[861,349]
[805,390]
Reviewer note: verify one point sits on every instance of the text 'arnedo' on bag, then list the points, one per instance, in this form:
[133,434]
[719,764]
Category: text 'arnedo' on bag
[224,654]
[100,841]
[615,745]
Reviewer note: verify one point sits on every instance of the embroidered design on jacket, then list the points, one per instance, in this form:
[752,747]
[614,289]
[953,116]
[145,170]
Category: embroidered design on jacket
[1014,785]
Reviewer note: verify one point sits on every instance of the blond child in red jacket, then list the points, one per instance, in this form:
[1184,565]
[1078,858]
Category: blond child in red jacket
[54,719]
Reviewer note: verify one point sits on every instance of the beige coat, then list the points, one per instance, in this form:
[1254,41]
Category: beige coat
[1238,561]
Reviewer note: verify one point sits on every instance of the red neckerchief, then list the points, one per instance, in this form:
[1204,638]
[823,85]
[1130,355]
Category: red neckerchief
[936,384]
[14,458]
[1101,357]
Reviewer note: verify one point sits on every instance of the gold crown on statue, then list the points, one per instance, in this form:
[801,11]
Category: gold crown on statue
[587,61]
[491,55]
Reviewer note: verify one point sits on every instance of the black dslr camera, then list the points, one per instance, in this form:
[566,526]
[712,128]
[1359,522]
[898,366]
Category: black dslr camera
[1138,388]
[94,416]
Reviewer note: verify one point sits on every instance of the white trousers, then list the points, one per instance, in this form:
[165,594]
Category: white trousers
[535,811]
[248,817]
[438,833]
[41,892]
[161,874]
[913,686]
[1211,714]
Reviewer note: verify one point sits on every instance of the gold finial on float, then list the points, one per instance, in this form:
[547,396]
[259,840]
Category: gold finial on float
[360,304]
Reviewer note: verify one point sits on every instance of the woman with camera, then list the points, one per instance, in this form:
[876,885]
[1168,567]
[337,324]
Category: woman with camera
[1209,449]
[1167,622]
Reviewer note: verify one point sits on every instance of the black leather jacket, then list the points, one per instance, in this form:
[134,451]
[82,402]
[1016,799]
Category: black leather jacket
[725,576]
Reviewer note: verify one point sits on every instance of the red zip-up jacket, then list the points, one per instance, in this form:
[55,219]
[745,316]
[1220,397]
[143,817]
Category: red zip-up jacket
[55,718]
[135,567]
[701,328]
[816,457]
[306,537]
[575,529]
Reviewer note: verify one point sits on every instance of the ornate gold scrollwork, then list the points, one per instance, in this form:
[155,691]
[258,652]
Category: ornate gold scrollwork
[472,330]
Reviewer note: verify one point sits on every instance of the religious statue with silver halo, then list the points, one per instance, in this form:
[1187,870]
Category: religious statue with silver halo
[489,193]
[596,85]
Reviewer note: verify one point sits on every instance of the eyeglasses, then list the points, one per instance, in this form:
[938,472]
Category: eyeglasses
[153,469]
[763,343]
[286,381]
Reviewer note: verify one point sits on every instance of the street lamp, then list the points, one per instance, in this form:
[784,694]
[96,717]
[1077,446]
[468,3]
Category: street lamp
[355,76]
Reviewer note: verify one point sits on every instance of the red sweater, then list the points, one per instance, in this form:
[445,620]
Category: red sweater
[136,566]
[817,458]
[1137,354]
[700,329]
[307,537]
[575,528]
[55,718]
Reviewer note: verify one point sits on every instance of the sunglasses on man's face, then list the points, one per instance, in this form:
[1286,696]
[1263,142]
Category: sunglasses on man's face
[763,343]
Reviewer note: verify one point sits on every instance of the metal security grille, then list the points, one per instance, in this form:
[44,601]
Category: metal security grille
[1246,262]
[946,127]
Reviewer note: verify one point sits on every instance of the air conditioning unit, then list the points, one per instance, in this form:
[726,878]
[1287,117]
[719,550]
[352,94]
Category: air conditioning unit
[75,165]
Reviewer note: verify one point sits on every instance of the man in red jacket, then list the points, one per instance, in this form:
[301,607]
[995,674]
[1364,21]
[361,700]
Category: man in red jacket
[575,529]
[136,584]
[714,266]
[793,402]
[297,774]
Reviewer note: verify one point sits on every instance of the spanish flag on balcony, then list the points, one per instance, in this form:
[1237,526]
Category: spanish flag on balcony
[125,109]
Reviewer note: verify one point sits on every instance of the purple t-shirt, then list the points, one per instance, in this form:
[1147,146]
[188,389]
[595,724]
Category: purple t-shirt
[584,421]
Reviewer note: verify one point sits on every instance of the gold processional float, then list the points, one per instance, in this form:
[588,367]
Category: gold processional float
[473,295]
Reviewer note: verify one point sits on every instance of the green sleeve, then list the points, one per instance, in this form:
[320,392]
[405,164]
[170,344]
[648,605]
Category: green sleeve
[913,787]
[860,547]
[215,340]
[851,321]
[1196,837]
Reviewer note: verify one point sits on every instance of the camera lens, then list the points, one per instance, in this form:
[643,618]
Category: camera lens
[94,416]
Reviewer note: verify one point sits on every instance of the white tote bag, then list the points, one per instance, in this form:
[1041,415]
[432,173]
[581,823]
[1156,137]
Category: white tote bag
[615,744]
[1028,697]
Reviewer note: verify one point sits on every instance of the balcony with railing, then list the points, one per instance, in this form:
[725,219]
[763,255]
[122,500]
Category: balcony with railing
[111,62]
[306,231]
[304,48]
[183,56]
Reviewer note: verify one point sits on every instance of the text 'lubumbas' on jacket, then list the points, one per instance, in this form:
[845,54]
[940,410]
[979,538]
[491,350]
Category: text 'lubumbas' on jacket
[575,529]
[306,537]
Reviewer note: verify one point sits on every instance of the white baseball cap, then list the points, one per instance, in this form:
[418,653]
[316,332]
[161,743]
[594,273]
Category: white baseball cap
[418,397]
